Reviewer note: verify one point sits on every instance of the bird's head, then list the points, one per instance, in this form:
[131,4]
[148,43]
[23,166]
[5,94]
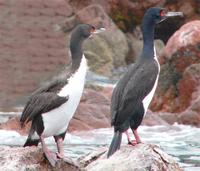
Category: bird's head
[157,14]
[84,31]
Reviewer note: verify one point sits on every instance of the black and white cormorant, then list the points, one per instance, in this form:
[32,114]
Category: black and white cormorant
[134,91]
[50,108]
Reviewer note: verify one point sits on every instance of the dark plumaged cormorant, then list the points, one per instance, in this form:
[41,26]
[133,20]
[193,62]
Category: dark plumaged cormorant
[50,108]
[134,91]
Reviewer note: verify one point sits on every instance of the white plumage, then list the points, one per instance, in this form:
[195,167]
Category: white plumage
[147,100]
[56,121]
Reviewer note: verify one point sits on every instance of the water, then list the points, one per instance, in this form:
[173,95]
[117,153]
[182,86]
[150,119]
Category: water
[180,141]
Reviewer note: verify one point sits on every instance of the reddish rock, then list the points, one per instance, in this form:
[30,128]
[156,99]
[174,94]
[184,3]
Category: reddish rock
[107,92]
[179,78]
[14,124]
[151,119]
[27,37]
[189,117]
[170,118]
[188,34]
[195,106]
[93,112]
[188,85]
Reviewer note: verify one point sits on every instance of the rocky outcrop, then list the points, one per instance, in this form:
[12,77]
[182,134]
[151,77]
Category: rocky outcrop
[179,79]
[128,14]
[30,158]
[92,113]
[141,157]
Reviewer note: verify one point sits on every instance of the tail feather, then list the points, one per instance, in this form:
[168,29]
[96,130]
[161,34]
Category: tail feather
[115,144]
[30,142]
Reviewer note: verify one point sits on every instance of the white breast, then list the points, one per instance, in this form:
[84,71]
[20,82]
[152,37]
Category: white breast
[146,101]
[56,121]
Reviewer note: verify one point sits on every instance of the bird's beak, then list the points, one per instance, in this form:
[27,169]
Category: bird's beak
[165,15]
[96,31]
[173,14]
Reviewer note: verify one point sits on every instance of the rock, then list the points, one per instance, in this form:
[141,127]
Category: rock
[102,51]
[30,158]
[152,119]
[179,77]
[186,36]
[30,48]
[170,118]
[140,157]
[187,86]
[14,124]
[128,15]
[192,114]
[195,106]
[92,113]
[189,117]
[135,46]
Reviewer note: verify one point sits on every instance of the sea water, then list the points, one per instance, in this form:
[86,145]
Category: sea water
[180,141]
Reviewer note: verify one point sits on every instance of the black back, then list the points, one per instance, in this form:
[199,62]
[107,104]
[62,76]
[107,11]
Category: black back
[126,106]
[130,91]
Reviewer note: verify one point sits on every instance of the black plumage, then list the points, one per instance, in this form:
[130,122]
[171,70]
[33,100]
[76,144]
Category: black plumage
[134,91]
[41,103]
[130,91]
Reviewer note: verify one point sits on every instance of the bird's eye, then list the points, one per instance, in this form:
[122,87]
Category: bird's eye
[162,13]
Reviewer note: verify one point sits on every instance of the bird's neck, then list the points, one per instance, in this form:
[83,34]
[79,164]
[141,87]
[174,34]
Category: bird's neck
[76,53]
[148,39]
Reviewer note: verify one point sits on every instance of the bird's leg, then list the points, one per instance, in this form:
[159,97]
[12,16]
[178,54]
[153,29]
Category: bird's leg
[137,137]
[60,148]
[59,141]
[51,157]
[131,142]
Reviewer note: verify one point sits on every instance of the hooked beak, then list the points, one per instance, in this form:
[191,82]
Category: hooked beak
[173,14]
[170,14]
[96,31]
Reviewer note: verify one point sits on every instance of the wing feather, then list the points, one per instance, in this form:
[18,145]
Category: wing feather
[41,103]
[128,96]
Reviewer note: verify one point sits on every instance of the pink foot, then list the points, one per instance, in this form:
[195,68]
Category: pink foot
[134,142]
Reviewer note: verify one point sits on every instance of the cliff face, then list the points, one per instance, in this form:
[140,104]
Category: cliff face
[33,50]
[30,49]
[179,80]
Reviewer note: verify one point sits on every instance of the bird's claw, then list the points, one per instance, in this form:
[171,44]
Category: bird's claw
[134,142]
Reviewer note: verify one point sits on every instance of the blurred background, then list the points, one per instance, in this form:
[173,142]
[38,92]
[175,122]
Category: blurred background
[34,40]
[34,37]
